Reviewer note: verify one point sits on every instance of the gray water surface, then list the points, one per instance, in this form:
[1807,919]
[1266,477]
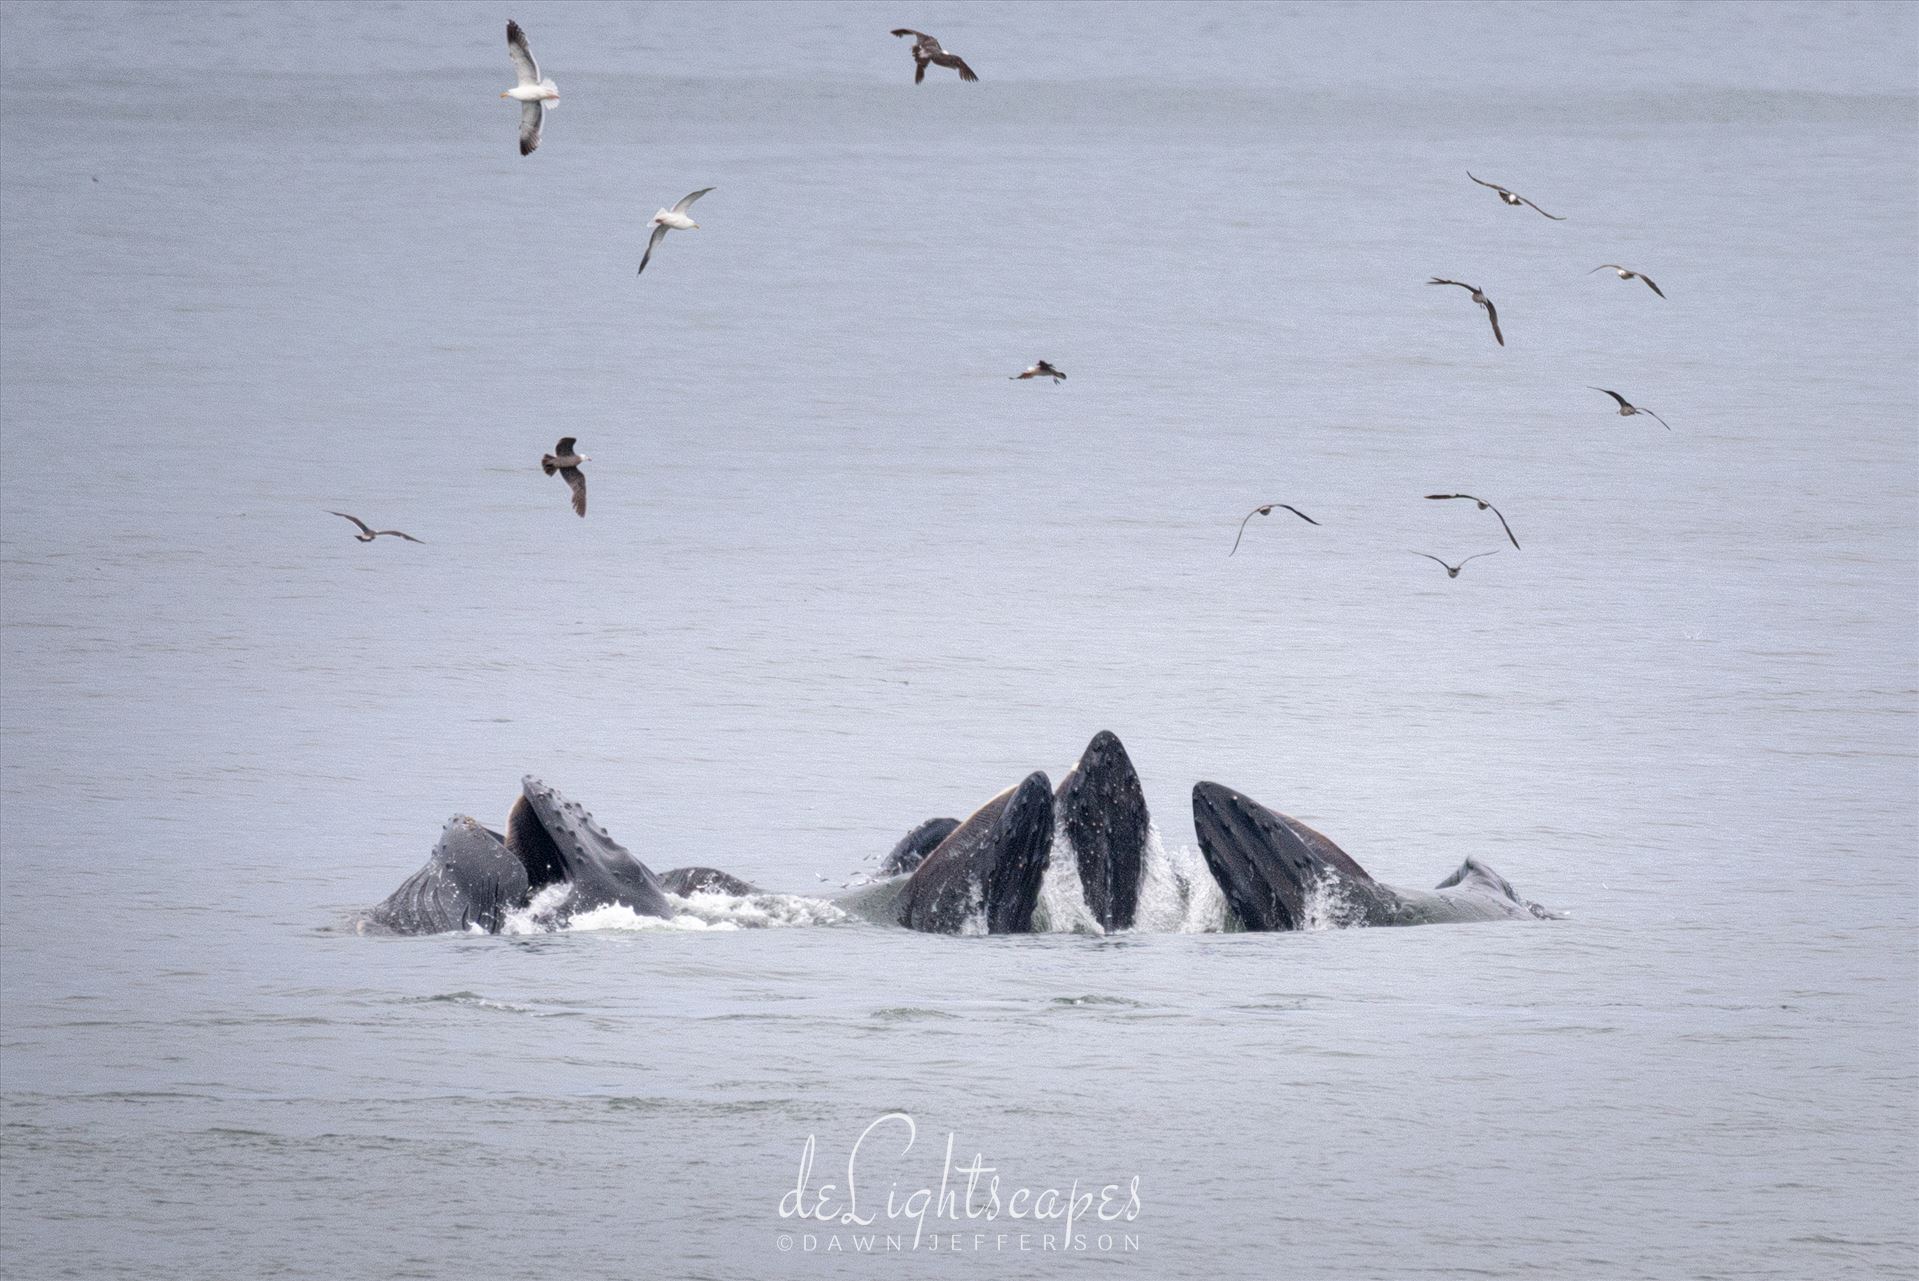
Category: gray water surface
[840,574]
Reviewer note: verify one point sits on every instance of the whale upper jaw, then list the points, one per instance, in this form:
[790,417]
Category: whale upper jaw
[1101,812]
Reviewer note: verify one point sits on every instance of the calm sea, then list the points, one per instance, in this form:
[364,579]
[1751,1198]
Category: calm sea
[259,261]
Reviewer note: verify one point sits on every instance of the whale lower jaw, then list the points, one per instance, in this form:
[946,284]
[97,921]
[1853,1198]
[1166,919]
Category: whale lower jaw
[985,877]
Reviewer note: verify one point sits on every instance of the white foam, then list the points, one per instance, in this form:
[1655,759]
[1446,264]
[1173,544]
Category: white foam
[760,911]
[537,917]
[694,912]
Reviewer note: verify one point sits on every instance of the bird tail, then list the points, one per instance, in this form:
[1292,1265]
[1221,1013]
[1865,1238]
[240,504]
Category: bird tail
[553,102]
[548,466]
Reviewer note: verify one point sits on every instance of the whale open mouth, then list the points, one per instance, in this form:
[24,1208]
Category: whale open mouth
[1272,869]
[989,870]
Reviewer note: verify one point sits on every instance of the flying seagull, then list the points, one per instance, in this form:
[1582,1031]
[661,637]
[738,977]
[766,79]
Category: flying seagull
[1626,274]
[674,218]
[1626,408]
[926,49]
[1512,198]
[1452,571]
[564,461]
[1485,507]
[531,92]
[367,533]
[1040,369]
[1480,298]
[1265,509]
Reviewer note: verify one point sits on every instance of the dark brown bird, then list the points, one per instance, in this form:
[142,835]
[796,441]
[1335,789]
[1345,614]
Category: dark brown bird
[1628,274]
[1480,298]
[1627,409]
[564,461]
[367,533]
[1040,369]
[1265,509]
[1485,507]
[926,49]
[1511,197]
[1452,571]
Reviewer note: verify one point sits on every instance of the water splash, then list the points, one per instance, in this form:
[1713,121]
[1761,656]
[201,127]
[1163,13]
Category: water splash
[1177,894]
[1062,905]
[1330,906]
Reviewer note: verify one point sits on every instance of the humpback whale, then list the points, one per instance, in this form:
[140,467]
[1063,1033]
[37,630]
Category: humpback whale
[1100,811]
[470,881]
[984,877]
[916,845]
[1279,874]
[475,877]
[705,880]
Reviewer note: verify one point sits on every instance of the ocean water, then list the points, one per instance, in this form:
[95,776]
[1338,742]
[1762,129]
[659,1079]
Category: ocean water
[261,261]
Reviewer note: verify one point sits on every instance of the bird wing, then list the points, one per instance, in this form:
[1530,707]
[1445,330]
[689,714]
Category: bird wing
[565,446]
[523,64]
[919,67]
[653,243]
[687,203]
[1493,316]
[1263,507]
[402,534]
[1434,559]
[1496,187]
[1470,559]
[355,519]
[1650,285]
[1502,522]
[531,115]
[1656,418]
[908,31]
[954,60]
[576,481]
[1295,511]
[1439,281]
[1554,217]
[1605,265]
[1623,403]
